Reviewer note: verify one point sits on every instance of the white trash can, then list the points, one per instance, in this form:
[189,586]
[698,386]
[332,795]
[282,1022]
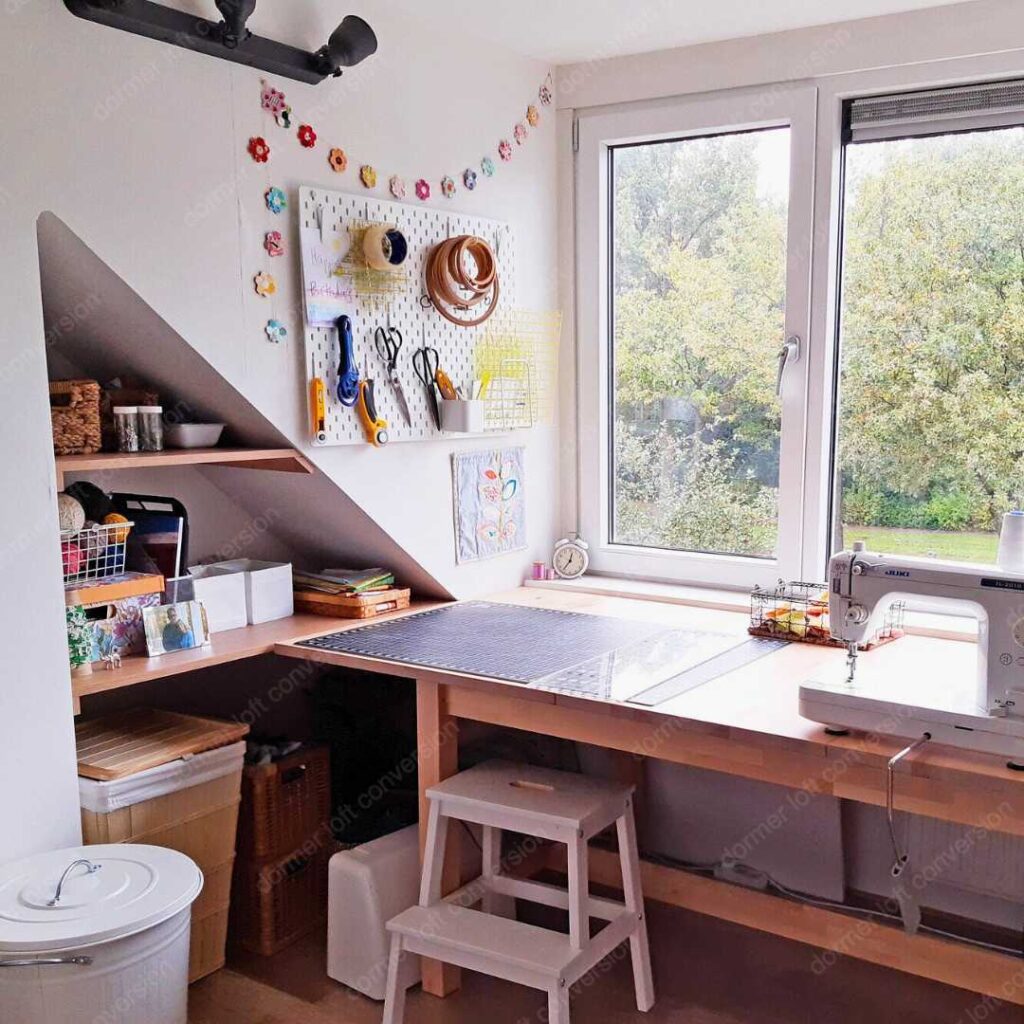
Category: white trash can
[97,935]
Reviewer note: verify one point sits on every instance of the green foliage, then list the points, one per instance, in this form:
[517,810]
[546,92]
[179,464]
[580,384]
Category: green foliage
[932,418]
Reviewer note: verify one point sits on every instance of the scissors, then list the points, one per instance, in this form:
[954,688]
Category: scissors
[425,363]
[388,342]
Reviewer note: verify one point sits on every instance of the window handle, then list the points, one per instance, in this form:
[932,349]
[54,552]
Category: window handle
[789,353]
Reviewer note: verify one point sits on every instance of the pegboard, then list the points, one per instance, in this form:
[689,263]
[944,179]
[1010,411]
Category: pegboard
[423,227]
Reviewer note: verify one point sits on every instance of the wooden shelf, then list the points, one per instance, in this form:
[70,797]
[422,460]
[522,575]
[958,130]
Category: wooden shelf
[231,645]
[281,460]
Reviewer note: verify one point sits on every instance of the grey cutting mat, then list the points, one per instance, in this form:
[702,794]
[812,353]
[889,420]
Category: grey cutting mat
[501,641]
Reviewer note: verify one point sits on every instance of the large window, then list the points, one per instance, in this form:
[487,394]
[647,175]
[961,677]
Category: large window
[697,321]
[694,260]
[721,438]
[931,390]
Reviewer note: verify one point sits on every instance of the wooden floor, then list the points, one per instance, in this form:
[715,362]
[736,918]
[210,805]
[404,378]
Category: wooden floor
[706,971]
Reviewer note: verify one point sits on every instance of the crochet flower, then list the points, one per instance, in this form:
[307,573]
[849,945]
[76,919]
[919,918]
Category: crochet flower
[272,99]
[544,92]
[338,160]
[307,136]
[276,331]
[423,189]
[397,186]
[264,283]
[469,178]
[276,199]
[273,243]
[368,175]
[284,117]
[505,150]
[533,115]
[487,167]
[258,149]
[447,187]
[519,133]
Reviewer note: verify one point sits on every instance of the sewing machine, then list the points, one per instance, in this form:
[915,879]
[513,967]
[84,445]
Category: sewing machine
[987,714]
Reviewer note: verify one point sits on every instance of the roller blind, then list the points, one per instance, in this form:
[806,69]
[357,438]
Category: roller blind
[935,111]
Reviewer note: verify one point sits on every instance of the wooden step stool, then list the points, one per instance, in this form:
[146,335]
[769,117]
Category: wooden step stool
[559,806]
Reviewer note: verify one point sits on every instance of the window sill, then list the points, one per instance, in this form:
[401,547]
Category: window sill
[918,623]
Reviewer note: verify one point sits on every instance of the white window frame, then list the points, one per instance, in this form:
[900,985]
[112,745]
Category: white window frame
[819,351]
[740,110]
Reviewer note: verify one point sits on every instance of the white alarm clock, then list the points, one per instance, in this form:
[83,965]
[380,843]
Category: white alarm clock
[571,557]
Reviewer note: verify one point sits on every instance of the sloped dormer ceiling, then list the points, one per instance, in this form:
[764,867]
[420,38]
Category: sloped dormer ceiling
[98,324]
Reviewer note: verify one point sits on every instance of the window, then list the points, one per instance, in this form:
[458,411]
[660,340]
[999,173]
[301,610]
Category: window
[696,253]
[697,320]
[930,438]
[722,440]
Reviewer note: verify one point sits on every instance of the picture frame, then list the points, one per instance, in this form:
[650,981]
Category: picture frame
[175,627]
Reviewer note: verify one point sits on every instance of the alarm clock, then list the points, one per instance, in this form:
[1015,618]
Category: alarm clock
[571,557]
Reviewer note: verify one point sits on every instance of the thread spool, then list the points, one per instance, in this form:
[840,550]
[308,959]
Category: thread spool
[1011,542]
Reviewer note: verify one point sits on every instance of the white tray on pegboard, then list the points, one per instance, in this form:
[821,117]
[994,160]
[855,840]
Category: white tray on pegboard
[423,227]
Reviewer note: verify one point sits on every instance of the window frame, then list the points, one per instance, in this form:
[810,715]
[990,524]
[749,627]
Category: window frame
[820,355]
[691,117]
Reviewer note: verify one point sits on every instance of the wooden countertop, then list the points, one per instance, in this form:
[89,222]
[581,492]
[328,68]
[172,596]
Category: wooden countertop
[756,704]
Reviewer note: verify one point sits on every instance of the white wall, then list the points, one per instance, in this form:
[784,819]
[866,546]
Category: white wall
[139,148]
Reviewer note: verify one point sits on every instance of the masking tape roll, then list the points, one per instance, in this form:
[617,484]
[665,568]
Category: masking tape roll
[385,247]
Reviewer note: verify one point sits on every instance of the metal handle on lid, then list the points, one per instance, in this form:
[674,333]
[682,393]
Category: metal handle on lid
[46,961]
[92,869]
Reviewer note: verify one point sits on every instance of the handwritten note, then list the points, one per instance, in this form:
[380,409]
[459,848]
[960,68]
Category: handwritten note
[327,295]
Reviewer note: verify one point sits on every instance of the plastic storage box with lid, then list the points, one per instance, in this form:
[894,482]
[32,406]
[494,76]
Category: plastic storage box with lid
[268,587]
[112,945]
[367,886]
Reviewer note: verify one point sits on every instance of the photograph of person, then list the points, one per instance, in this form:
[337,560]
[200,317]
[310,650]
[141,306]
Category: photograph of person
[175,627]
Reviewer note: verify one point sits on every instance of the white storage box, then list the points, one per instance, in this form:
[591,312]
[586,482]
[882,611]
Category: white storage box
[113,947]
[268,587]
[366,887]
[223,596]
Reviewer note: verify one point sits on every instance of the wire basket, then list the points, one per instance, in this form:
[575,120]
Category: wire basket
[94,553]
[518,353]
[799,611]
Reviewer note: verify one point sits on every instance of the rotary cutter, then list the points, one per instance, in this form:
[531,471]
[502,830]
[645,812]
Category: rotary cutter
[374,426]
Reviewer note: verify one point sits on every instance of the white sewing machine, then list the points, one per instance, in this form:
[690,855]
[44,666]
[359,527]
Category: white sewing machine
[988,716]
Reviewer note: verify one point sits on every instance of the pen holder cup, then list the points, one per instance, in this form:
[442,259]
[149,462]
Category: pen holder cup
[463,417]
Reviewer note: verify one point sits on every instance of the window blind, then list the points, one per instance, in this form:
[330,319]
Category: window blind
[935,111]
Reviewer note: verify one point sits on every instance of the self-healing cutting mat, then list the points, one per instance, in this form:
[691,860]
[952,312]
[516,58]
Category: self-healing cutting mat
[497,641]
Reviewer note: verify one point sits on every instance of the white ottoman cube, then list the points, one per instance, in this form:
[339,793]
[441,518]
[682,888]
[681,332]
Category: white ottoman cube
[367,886]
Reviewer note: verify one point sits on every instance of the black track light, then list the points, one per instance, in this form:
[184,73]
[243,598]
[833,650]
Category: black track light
[350,43]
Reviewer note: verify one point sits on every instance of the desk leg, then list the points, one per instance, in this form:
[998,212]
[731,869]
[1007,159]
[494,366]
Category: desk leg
[437,742]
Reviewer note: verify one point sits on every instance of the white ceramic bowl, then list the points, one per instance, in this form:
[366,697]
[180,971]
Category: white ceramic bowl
[192,435]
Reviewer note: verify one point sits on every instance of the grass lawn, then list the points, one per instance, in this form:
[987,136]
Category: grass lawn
[962,547]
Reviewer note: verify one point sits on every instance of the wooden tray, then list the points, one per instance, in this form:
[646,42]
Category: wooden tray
[115,588]
[352,606]
[132,741]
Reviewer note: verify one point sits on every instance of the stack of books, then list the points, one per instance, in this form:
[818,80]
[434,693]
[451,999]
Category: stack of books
[348,593]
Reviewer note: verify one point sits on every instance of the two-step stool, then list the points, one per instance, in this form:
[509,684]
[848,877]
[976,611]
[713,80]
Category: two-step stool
[559,806]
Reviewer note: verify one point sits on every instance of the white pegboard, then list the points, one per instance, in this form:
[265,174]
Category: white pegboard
[423,227]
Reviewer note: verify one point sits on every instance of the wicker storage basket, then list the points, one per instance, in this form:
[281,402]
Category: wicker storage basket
[277,901]
[284,803]
[75,416]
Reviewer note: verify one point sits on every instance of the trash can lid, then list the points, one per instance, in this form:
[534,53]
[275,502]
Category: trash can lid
[106,892]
